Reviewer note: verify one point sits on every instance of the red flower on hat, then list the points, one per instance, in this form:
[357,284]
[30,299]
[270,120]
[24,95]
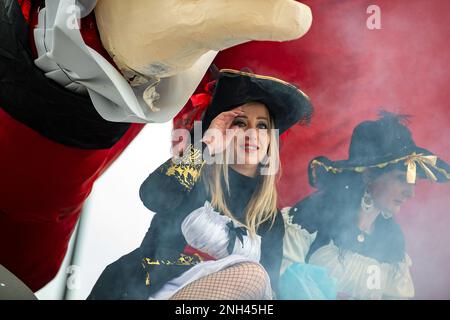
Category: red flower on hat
[192,112]
[195,110]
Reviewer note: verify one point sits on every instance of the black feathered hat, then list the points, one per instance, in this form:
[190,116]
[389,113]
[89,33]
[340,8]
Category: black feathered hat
[379,144]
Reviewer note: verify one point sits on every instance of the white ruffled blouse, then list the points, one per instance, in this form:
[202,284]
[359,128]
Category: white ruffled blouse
[206,230]
[358,276]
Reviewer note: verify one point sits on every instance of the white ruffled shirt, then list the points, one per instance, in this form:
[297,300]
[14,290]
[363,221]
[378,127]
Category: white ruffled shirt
[206,230]
[358,276]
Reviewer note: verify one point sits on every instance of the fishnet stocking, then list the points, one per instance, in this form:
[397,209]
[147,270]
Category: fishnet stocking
[244,281]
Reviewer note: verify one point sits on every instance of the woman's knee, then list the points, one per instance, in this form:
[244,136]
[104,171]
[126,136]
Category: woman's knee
[253,272]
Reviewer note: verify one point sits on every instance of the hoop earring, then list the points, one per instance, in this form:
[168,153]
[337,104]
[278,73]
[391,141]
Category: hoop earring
[386,215]
[367,203]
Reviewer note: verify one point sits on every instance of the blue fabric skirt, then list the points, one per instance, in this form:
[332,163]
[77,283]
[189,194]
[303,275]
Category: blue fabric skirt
[303,281]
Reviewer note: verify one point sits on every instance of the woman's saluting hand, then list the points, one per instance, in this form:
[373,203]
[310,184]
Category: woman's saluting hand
[221,131]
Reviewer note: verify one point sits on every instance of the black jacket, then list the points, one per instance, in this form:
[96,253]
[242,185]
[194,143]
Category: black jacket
[173,192]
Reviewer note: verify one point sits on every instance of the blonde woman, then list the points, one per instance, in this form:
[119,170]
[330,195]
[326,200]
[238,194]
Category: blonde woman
[217,232]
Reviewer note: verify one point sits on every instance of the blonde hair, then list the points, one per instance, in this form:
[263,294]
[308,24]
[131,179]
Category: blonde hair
[263,203]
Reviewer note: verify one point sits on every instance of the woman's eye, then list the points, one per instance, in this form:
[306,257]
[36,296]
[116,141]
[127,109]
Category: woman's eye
[262,126]
[239,123]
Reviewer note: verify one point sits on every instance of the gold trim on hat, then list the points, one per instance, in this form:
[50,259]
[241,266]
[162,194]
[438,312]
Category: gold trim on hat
[411,161]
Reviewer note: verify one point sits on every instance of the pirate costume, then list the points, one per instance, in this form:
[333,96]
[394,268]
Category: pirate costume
[188,239]
[341,260]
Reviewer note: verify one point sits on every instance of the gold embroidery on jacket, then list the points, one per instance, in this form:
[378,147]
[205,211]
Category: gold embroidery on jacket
[183,260]
[187,169]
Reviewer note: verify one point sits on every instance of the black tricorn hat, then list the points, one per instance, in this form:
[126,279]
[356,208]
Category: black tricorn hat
[379,144]
[287,104]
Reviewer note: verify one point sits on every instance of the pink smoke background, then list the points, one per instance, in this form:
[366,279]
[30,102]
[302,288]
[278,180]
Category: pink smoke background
[350,73]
